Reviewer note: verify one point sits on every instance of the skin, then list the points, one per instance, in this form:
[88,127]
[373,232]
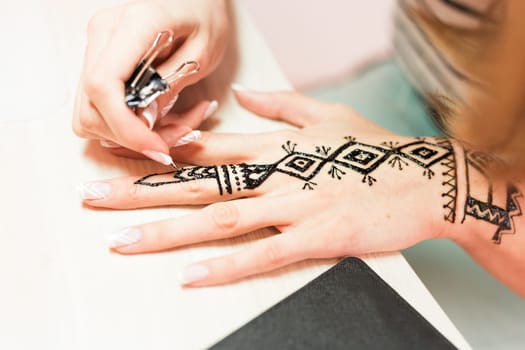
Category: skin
[117,39]
[338,218]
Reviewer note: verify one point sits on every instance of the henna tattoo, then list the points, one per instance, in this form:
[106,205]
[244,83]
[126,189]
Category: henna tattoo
[451,187]
[323,150]
[359,157]
[496,205]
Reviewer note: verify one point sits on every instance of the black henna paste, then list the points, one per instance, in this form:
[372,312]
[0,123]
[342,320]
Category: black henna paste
[487,208]
[365,159]
[359,157]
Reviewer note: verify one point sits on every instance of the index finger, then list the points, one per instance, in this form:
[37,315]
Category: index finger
[105,82]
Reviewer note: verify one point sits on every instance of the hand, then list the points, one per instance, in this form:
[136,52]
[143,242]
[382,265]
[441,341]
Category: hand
[329,189]
[117,39]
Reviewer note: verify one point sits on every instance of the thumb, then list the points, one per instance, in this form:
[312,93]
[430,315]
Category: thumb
[288,106]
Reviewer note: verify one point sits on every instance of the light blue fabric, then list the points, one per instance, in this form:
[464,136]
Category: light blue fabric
[487,314]
[383,95]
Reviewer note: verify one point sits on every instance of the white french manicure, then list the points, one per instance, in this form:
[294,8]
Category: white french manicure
[159,157]
[94,190]
[212,108]
[109,144]
[188,138]
[124,237]
[239,87]
[193,273]
[167,108]
[150,114]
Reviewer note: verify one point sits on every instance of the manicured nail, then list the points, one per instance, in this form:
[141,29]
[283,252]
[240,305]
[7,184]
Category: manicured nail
[124,237]
[212,108]
[193,273]
[94,190]
[169,106]
[150,114]
[188,138]
[159,157]
[109,144]
[239,87]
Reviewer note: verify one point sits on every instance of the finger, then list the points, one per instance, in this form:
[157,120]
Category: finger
[265,255]
[87,122]
[105,82]
[178,135]
[173,135]
[214,148]
[217,221]
[189,185]
[193,117]
[128,129]
[287,106]
[173,129]
[100,29]
[193,49]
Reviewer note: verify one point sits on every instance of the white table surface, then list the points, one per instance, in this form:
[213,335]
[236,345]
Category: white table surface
[60,287]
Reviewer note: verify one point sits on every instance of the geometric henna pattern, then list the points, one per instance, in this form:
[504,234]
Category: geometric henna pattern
[487,208]
[365,159]
[359,157]
[450,187]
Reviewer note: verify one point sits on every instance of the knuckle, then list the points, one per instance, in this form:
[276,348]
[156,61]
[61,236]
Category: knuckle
[94,84]
[225,216]
[88,123]
[135,193]
[192,188]
[273,254]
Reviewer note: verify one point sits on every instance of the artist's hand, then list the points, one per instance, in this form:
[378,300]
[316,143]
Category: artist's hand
[117,39]
[338,186]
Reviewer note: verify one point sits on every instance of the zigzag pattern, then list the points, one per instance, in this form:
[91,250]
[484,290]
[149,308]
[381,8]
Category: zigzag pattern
[496,216]
[451,183]
[503,218]
[514,209]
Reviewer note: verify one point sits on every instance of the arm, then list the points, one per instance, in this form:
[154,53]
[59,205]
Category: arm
[489,222]
[339,186]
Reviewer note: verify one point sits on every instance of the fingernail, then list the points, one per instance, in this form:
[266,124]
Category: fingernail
[124,237]
[212,108]
[150,114]
[193,273]
[159,157]
[169,106]
[94,190]
[109,144]
[188,138]
[239,87]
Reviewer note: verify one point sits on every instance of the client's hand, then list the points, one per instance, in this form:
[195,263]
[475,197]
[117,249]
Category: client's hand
[117,39]
[338,186]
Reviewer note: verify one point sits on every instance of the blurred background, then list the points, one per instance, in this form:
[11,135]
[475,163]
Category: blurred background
[321,48]
[321,42]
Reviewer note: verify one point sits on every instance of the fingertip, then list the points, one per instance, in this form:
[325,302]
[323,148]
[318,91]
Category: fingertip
[94,190]
[109,144]
[237,87]
[193,275]
[171,134]
[211,109]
